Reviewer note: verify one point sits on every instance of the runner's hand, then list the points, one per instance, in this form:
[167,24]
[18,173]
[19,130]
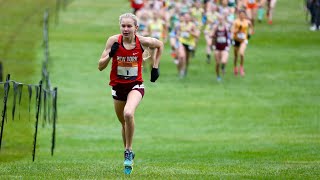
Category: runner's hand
[249,36]
[114,49]
[154,74]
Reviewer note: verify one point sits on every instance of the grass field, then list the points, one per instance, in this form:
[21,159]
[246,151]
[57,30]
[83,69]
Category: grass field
[263,126]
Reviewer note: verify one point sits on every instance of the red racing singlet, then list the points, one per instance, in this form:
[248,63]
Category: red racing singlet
[137,4]
[126,64]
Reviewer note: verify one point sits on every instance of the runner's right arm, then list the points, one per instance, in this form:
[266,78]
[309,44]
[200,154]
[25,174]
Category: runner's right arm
[104,59]
[213,36]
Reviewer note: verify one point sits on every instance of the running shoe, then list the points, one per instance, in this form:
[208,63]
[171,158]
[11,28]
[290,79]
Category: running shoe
[313,28]
[235,71]
[128,161]
[219,79]
[242,73]
[182,74]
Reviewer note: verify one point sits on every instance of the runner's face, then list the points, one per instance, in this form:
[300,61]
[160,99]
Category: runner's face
[187,17]
[225,2]
[127,27]
[242,15]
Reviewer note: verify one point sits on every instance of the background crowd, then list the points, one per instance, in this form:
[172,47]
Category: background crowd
[223,23]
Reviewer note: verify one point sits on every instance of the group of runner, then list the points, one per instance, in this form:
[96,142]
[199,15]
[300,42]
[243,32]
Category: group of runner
[222,22]
[181,23]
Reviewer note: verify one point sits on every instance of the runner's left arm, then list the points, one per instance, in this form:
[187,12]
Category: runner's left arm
[155,45]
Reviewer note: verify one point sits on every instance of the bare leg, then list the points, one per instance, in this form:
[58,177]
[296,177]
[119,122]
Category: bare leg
[133,101]
[224,60]
[218,60]
[254,15]
[182,61]
[119,107]
[242,49]
[271,7]
[236,51]
[187,58]
[249,14]
[224,56]
[235,56]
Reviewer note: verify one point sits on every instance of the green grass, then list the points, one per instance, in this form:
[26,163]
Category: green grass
[262,126]
[21,39]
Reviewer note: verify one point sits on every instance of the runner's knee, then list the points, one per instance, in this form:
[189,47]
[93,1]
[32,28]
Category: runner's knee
[128,114]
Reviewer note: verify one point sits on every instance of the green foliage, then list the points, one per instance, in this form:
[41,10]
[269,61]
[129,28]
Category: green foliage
[265,125]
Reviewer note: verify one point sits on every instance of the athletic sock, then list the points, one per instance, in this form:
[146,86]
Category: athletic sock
[222,66]
[260,13]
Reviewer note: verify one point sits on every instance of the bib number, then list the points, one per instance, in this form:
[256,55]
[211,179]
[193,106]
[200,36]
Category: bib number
[127,69]
[222,39]
[241,36]
[185,34]
[138,1]
[129,73]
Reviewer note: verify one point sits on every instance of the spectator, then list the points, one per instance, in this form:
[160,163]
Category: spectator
[315,15]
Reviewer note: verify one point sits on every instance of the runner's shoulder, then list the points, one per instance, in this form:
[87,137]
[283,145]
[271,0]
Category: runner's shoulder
[113,38]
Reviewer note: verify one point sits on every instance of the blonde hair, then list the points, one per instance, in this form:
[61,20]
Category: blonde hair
[129,15]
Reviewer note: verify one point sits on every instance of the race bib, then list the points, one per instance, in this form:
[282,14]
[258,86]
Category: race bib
[156,34]
[230,18]
[127,67]
[138,1]
[185,34]
[241,35]
[191,47]
[222,39]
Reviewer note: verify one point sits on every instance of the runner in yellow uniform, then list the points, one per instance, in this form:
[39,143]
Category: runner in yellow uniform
[188,33]
[212,16]
[241,30]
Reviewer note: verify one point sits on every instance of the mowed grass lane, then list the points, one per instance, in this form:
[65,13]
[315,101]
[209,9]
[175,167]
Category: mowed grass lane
[262,125]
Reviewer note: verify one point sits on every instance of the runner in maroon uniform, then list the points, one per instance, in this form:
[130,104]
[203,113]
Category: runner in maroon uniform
[126,50]
[221,41]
